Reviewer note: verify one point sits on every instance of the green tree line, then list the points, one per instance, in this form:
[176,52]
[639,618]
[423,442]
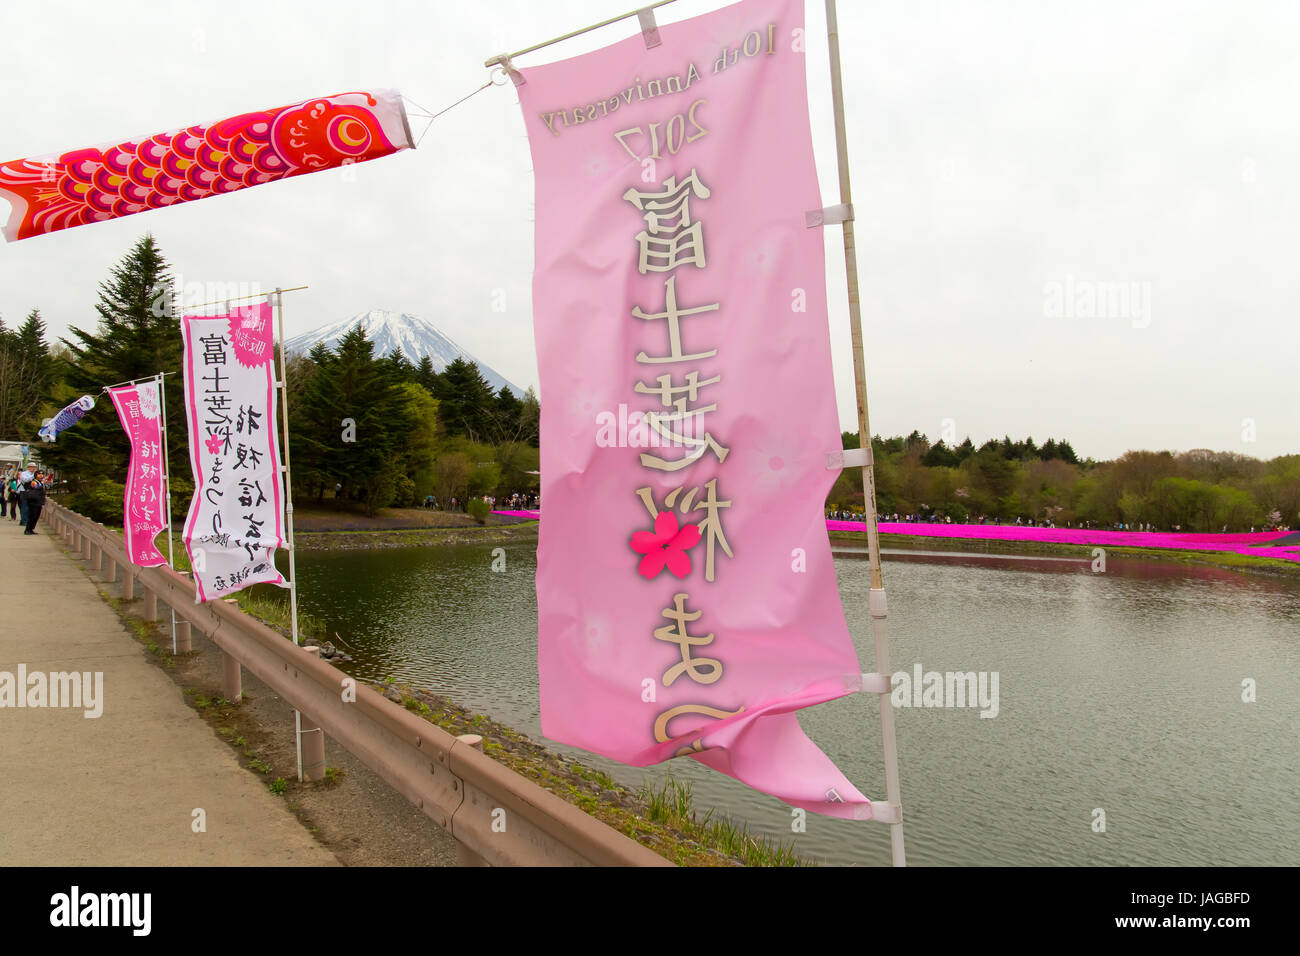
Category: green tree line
[377,431]
[1004,480]
[380,431]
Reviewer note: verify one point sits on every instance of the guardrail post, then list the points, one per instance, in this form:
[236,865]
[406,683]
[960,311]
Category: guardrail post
[110,569]
[313,740]
[96,557]
[232,687]
[85,546]
[128,584]
[150,605]
[464,855]
[183,644]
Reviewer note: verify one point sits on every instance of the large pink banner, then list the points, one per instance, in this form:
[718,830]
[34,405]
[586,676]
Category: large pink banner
[687,601]
[145,503]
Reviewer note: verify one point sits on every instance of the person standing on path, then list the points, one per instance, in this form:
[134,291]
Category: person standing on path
[25,478]
[13,490]
[34,499]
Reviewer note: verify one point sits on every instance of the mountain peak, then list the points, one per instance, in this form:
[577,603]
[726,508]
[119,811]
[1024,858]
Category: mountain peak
[402,332]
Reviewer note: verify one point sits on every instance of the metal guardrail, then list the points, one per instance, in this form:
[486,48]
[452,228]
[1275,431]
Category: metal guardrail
[455,785]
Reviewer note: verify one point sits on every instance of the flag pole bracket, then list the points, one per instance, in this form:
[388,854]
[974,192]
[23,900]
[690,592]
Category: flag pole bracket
[887,812]
[830,216]
[876,684]
[878,603]
[649,28]
[849,458]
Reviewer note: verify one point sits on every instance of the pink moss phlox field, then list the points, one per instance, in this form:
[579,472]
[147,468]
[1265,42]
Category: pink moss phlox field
[1247,544]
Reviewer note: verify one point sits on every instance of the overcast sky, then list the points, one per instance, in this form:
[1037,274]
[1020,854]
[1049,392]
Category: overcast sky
[1010,160]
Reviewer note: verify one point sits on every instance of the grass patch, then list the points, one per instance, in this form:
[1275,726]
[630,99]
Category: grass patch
[273,610]
[672,804]
[663,819]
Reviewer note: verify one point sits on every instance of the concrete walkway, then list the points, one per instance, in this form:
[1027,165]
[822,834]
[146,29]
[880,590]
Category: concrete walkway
[120,789]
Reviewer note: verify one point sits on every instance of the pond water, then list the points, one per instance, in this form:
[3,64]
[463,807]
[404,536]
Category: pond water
[1119,691]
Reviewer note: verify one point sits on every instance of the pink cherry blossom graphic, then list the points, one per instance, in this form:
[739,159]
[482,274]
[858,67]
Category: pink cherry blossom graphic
[666,546]
[214,444]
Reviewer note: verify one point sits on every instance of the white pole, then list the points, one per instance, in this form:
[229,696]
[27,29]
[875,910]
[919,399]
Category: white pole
[288,507]
[877,596]
[167,478]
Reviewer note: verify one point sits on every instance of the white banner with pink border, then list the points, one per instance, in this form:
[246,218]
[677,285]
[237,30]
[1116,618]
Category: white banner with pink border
[236,517]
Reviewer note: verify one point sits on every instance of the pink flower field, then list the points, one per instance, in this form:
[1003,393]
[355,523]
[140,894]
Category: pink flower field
[1253,545]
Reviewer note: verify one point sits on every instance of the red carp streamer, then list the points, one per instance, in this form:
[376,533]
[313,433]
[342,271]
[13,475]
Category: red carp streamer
[98,183]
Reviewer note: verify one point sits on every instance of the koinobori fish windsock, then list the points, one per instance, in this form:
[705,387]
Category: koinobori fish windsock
[69,416]
[97,183]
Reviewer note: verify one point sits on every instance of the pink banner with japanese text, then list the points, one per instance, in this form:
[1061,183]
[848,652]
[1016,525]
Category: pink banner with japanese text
[145,502]
[687,601]
[236,518]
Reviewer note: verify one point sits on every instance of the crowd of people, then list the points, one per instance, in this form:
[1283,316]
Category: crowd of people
[936,518]
[517,501]
[23,496]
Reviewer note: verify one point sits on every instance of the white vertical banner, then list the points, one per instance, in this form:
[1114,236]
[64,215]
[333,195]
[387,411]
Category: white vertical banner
[236,517]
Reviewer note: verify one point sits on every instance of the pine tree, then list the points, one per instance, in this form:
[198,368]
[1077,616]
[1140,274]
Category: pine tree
[26,378]
[309,435]
[355,421]
[136,337]
[506,412]
[465,400]
[400,366]
[530,418]
[426,375]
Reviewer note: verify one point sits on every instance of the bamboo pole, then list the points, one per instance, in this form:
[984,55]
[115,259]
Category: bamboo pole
[167,481]
[877,596]
[288,507]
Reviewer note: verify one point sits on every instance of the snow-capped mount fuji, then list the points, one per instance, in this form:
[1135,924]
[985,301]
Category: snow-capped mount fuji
[411,335]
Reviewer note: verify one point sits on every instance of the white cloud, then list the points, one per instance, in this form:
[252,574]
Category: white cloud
[995,147]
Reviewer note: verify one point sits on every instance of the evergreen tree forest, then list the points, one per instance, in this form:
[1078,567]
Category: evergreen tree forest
[371,431]
[366,431]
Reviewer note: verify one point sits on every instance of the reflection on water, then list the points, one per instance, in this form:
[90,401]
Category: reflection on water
[1120,691]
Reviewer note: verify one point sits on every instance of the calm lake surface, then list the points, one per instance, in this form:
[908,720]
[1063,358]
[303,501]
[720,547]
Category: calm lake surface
[1120,691]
